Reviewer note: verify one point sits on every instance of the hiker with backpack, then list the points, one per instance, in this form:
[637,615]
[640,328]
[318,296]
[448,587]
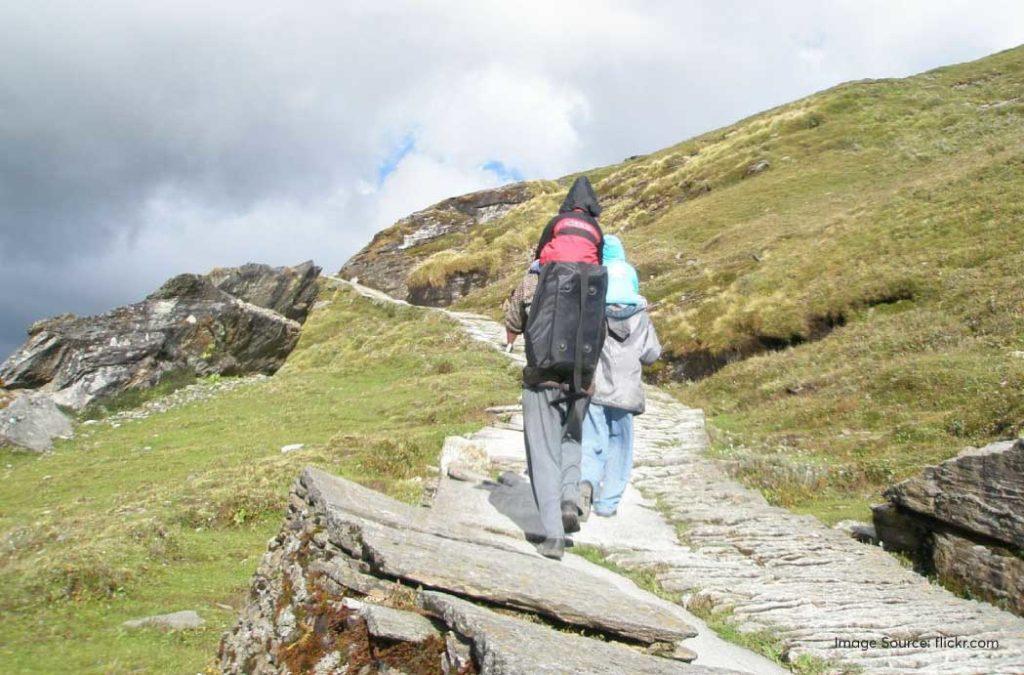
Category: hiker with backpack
[559,307]
[618,390]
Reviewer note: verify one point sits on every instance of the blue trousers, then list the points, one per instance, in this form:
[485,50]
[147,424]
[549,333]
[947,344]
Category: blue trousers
[607,454]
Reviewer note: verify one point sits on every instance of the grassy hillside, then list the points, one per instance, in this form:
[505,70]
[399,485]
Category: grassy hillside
[173,512]
[840,274]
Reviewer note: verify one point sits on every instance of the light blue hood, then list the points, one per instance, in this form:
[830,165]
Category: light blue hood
[623,283]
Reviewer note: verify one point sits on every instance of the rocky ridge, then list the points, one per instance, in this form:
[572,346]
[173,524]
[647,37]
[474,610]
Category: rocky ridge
[289,291]
[386,262]
[194,324]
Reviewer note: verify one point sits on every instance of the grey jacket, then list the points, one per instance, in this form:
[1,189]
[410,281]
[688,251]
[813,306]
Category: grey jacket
[631,341]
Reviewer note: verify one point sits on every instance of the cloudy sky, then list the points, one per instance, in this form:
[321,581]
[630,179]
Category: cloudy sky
[140,140]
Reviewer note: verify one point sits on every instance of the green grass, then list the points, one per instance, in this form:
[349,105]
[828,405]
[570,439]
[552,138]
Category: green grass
[764,642]
[863,286]
[103,529]
[645,578]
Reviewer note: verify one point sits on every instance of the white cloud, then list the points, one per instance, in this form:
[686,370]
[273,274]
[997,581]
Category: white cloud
[420,180]
[525,119]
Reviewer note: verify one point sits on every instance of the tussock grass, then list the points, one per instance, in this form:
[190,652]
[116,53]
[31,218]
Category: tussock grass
[174,511]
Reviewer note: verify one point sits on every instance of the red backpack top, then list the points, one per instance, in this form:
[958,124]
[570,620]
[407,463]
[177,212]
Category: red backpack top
[571,237]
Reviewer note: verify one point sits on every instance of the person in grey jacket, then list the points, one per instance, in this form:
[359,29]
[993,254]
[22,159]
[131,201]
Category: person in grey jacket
[618,389]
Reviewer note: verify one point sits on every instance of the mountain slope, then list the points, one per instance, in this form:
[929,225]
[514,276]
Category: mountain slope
[837,274]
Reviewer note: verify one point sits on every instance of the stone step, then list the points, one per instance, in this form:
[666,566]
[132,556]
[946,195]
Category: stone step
[505,644]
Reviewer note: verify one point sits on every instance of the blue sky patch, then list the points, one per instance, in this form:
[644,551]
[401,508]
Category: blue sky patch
[395,157]
[505,173]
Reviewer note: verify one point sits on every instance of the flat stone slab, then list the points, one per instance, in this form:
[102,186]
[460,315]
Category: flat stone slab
[347,505]
[395,624]
[507,645]
[981,490]
[344,495]
[184,620]
[398,541]
[504,447]
[520,580]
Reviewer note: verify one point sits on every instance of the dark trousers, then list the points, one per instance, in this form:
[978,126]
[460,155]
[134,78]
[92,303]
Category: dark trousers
[553,432]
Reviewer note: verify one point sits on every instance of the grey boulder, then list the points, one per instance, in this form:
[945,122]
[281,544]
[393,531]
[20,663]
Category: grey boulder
[978,491]
[32,421]
[993,573]
[386,262]
[964,520]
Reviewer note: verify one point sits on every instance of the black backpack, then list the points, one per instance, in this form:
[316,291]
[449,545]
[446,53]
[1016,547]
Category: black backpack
[565,330]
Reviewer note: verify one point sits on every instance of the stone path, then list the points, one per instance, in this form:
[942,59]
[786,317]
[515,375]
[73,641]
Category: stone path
[777,571]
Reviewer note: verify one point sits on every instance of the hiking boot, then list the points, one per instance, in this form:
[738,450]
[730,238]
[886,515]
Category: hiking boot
[551,548]
[570,517]
[586,499]
[606,514]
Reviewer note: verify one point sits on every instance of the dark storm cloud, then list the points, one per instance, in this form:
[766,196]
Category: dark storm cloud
[97,115]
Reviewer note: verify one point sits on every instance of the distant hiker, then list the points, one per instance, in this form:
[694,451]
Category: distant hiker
[559,305]
[618,394]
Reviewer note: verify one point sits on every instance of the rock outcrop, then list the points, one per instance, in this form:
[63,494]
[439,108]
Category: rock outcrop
[189,324]
[964,520]
[354,567]
[989,571]
[456,286]
[386,261]
[289,291]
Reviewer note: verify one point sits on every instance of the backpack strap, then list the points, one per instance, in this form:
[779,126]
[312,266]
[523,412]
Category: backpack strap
[579,232]
[577,368]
